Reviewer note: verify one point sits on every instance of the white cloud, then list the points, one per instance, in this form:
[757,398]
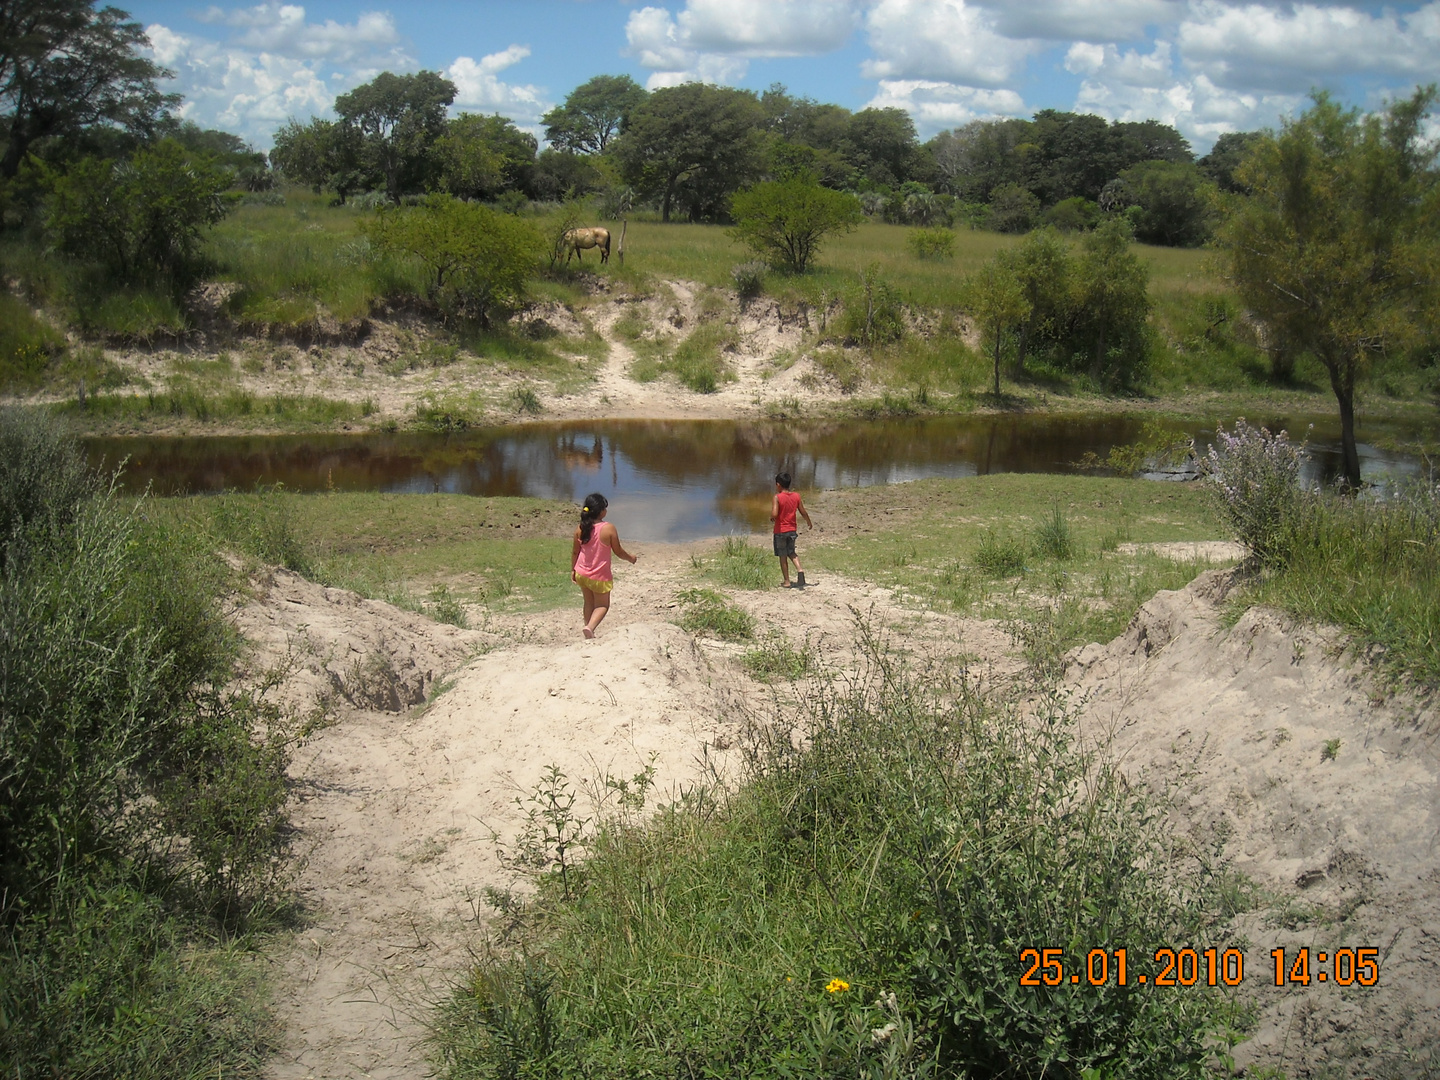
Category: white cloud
[943,41]
[282,29]
[1087,20]
[662,45]
[1131,85]
[1255,46]
[769,27]
[277,65]
[935,106]
[712,40]
[477,87]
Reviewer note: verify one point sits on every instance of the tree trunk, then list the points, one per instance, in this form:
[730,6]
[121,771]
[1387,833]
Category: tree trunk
[999,337]
[669,193]
[15,148]
[1023,347]
[1342,381]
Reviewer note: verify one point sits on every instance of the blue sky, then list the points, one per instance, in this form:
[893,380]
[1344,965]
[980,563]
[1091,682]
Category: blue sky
[1207,66]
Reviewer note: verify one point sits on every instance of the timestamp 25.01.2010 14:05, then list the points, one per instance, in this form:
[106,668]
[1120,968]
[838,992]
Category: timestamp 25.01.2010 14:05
[1188,967]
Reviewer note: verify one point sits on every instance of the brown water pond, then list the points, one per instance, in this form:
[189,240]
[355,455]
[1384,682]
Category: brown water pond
[675,479]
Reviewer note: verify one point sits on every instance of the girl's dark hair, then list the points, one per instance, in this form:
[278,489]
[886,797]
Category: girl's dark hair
[595,505]
[783,479]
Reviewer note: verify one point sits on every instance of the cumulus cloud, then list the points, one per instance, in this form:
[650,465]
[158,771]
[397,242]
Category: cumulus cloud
[938,105]
[1256,46]
[477,86]
[1132,85]
[943,41]
[1086,20]
[713,40]
[282,29]
[276,64]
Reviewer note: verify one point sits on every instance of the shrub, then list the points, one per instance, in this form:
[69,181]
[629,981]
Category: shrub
[874,314]
[857,907]
[931,243]
[477,259]
[1255,476]
[142,796]
[146,215]
[785,221]
[1000,556]
[1013,209]
[749,279]
[708,612]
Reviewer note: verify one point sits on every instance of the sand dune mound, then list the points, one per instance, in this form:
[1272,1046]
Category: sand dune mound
[1282,752]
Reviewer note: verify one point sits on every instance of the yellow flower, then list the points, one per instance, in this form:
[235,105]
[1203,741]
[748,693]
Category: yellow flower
[836,986]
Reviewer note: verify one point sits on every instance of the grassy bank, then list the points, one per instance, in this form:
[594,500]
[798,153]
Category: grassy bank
[853,904]
[291,271]
[143,827]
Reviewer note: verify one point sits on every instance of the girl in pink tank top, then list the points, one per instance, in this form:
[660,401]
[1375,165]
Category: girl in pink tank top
[594,542]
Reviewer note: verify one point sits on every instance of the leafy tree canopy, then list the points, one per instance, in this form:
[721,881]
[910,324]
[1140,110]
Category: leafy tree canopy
[1336,248]
[398,118]
[1170,202]
[1226,156]
[477,259]
[146,215]
[66,67]
[593,114]
[785,221]
[696,142]
[479,157]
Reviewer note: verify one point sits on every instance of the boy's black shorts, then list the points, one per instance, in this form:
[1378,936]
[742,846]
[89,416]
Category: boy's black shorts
[785,544]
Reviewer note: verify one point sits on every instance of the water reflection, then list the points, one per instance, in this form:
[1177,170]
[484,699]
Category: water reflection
[667,480]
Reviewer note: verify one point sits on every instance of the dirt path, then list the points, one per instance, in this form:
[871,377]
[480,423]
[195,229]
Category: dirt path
[396,802]
[440,730]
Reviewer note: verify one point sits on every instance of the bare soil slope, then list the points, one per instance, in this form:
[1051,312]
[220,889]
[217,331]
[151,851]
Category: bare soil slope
[440,730]
[1241,725]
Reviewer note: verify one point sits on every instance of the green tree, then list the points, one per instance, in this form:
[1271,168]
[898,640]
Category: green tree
[1172,202]
[145,215]
[1113,305]
[593,114]
[398,117]
[1044,269]
[784,221]
[479,157]
[65,68]
[322,154]
[880,144]
[1336,248]
[1013,209]
[477,259]
[1225,157]
[996,299]
[696,141]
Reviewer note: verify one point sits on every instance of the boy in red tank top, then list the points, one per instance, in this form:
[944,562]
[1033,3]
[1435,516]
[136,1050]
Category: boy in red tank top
[782,512]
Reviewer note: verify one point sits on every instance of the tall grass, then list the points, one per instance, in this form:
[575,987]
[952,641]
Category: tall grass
[857,905]
[1370,565]
[142,794]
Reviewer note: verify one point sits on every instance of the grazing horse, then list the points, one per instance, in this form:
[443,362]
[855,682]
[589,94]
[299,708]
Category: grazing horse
[576,239]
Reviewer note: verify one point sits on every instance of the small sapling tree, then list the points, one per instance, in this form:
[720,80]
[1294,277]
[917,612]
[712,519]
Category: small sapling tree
[994,296]
[784,221]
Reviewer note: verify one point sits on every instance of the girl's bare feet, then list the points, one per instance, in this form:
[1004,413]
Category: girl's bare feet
[587,632]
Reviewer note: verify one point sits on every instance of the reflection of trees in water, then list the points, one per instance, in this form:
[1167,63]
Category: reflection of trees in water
[726,465]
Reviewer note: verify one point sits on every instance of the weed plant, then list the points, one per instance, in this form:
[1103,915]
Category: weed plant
[1369,564]
[776,658]
[142,792]
[1053,536]
[742,565]
[1000,556]
[709,612]
[856,905]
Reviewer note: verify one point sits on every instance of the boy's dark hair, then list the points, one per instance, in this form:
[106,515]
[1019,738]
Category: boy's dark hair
[595,505]
[783,479]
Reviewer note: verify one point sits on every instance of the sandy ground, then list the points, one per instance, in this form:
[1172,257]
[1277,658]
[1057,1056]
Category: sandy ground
[439,731]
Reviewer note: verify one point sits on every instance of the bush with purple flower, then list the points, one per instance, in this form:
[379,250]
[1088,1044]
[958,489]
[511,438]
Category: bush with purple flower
[1257,477]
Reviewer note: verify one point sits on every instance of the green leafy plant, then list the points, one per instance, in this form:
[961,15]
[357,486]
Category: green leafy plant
[931,243]
[1000,555]
[785,221]
[709,612]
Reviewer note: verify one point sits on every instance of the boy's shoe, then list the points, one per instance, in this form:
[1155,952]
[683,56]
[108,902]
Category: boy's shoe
[800,578]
